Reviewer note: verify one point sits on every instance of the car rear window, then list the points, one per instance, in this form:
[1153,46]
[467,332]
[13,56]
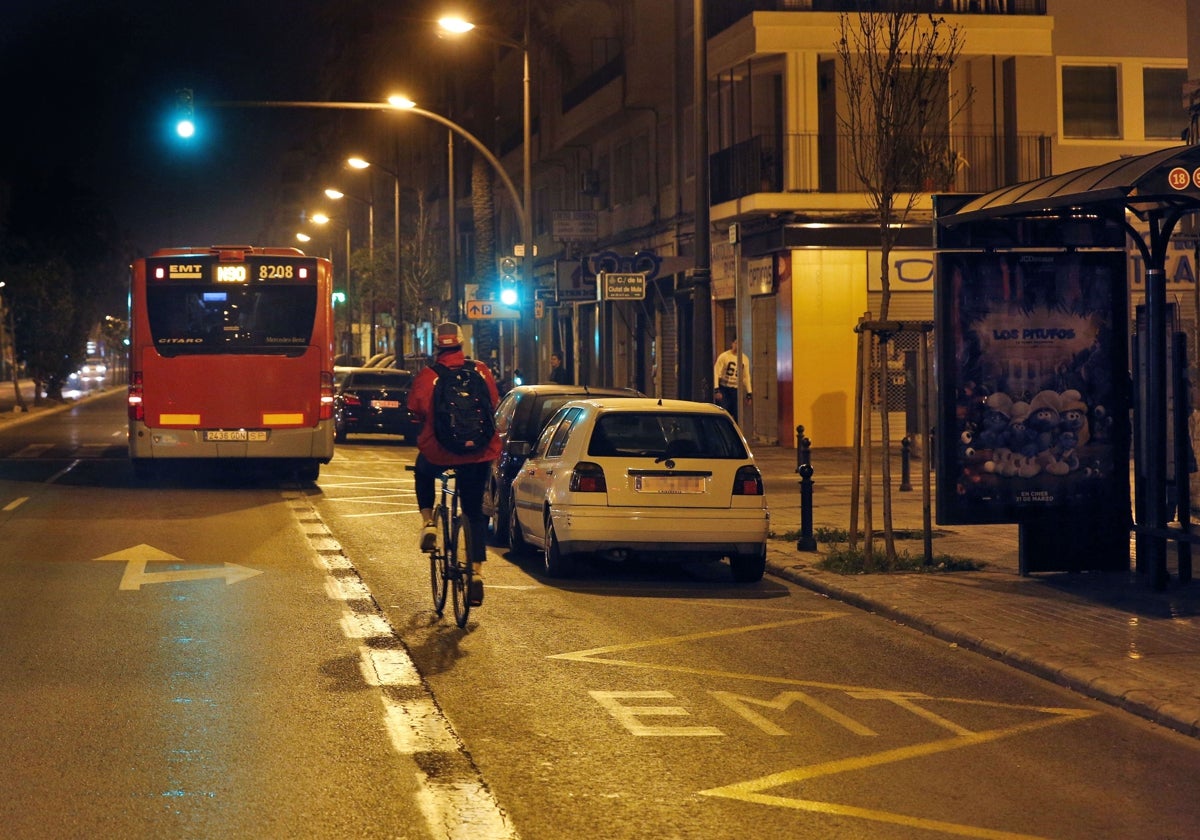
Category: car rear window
[659,434]
[380,380]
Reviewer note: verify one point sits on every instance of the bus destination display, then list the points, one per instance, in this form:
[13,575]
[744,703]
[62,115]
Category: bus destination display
[254,269]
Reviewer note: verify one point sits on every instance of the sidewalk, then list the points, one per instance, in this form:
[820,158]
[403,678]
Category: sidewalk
[1106,635]
[11,413]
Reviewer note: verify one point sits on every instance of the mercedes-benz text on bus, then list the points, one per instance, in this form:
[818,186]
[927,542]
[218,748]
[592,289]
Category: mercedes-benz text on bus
[231,357]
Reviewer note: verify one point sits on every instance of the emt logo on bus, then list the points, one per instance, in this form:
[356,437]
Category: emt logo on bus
[186,271]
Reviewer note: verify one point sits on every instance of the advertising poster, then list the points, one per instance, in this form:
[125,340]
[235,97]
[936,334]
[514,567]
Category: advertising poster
[1033,383]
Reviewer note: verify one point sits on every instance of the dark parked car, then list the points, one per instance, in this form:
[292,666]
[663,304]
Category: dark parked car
[374,400]
[520,418]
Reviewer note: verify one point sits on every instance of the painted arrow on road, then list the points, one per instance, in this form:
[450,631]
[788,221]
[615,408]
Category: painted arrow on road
[136,558]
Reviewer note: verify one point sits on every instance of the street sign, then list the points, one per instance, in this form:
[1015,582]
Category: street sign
[575,225]
[486,310]
[613,286]
[574,284]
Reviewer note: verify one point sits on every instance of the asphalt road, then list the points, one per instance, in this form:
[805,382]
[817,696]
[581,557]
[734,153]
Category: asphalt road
[310,690]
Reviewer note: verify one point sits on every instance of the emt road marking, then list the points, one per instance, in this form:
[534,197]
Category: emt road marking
[1024,720]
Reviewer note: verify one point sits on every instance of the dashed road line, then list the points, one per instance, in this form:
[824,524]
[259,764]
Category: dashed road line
[456,802]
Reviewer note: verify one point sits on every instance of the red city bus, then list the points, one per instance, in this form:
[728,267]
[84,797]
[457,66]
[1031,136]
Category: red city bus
[231,357]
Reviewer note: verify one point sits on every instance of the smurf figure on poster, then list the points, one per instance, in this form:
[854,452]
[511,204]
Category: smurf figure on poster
[1036,371]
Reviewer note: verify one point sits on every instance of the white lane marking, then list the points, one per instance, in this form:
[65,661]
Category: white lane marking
[357,625]
[418,726]
[62,472]
[456,805]
[33,450]
[387,667]
[346,588]
[16,503]
[466,811]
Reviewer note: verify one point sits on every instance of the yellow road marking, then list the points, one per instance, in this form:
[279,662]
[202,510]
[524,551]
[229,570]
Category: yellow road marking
[752,790]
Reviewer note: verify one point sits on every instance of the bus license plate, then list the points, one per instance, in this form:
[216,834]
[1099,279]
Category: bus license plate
[669,483]
[235,435]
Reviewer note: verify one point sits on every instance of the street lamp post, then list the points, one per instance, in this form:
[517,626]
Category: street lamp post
[361,163]
[338,195]
[322,219]
[526,354]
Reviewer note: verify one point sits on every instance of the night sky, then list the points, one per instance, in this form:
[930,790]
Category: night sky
[89,88]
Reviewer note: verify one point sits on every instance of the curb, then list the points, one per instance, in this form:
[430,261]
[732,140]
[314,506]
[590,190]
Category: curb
[1090,682]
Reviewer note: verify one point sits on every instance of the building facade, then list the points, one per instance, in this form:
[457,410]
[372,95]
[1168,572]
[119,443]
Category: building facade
[1053,86]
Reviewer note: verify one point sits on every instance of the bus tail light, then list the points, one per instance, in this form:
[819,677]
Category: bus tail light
[137,411]
[748,482]
[326,412]
[588,478]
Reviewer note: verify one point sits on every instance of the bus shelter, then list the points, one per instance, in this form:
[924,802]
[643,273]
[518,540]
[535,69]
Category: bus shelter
[1041,367]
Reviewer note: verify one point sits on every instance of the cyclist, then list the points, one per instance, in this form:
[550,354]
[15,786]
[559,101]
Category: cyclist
[471,471]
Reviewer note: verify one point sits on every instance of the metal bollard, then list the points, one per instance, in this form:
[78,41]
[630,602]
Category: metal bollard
[806,542]
[803,449]
[906,463]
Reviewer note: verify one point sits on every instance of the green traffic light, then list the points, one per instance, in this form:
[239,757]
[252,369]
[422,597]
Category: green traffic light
[185,125]
[508,295]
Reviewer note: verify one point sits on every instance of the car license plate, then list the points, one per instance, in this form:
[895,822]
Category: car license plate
[235,435]
[385,403]
[668,483]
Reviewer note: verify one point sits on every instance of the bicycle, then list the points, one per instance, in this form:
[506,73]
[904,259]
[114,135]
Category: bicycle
[447,572]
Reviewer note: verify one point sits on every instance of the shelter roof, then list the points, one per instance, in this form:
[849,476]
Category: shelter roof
[1168,178]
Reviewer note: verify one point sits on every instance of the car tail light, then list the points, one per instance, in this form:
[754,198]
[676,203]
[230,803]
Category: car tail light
[588,478]
[326,411]
[351,399]
[137,410]
[748,482]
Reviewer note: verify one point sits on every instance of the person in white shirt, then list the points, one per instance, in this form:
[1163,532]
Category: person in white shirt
[726,376]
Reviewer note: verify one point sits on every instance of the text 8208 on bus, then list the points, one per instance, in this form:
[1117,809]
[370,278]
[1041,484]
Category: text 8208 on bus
[231,358]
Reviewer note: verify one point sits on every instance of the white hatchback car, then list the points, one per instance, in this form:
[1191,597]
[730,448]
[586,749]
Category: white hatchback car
[617,477]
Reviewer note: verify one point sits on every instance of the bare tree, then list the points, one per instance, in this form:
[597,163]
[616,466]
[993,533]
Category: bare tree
[426,277]
[899,106]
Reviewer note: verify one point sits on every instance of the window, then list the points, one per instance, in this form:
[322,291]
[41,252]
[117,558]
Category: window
[195,318]
[1162,102]
[1089,102]
[558,442]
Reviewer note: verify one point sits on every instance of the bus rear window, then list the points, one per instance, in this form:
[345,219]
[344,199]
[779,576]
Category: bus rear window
[200,318]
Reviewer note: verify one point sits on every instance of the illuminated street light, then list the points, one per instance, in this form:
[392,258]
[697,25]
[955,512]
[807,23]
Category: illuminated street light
[320,218]
[457,25]
[338,195]
[362,164]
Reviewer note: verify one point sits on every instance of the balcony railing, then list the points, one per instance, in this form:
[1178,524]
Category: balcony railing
[723,14]
[793,163]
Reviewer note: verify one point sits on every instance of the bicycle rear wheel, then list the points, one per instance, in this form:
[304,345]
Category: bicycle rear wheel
[438,559]
[461,562]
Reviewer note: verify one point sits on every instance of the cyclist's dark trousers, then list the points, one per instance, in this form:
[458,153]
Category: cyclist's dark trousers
[471,479]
